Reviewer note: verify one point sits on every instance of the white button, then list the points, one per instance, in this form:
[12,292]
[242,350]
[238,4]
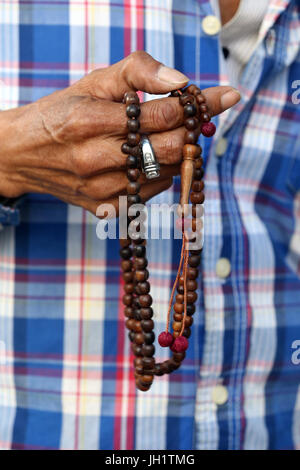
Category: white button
[223,268]
[211,25]
[220,395]
[221,147]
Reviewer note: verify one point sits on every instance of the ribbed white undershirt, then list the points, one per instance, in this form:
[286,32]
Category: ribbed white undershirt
[240,34]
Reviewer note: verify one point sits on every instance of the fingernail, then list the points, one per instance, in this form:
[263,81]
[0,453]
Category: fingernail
[230,98]
[166,74]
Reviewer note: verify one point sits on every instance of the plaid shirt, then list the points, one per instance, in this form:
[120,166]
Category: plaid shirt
[66,379]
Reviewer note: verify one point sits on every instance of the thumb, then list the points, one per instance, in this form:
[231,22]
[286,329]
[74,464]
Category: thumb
[138,71]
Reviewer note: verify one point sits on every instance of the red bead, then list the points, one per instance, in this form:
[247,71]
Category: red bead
[180,344]
[208,129]
[165,339]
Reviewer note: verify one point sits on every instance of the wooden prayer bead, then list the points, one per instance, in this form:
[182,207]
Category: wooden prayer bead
[141,263]
[133,139]
[133,125]
[149,337]
[133,174]
[197,211]
[190,309]
[129,288]
[188,321]
[147,379]
[124,242]
[129,312]
[128,277]
[199,163]
[189,110]
[133,111]
[144,287]
[198,174]
[145,300]
[178,308]
[133,188]
[127,299]
[204,117]
[147,325]
[200,99]
[137,327]
[191,285]
[197,225]
[126,265]
[176,326]
[192,89]
[148,363]
[189,152]
[192,273]
[133,199]
[146,313]
[142,275]
[186,99]
[158,370]
[186,332]
[130,323]
[126,253]
[194,261]
[203,108]
[141,386]
[197,186]
[178,317]
[139,338]
[197,198]
[191,297]
[179,357]
[131,162]
[148,350]
[191,123]
[190,137]
[131,97]
[179,298]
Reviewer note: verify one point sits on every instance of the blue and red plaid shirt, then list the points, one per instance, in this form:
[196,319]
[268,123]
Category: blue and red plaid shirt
[66,378]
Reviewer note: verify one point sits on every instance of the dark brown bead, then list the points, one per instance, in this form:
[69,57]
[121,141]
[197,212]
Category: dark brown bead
[124,242]
[178,317]
[149,337]
[127,299]
[139,338]
[187,332]
[179,298]
[158,370]
[137,360]
[198,174]
[133,187]
[192,273]
[197,198]
[131,336]
[136,302]
[191,297]
[126,253]
[199,163]
[131,97]
[128,288]
[133,174]
[141,263]
[133,125]
[180,290]
[188,321]
[203,108]
[148,363]
[128,312]
[178,357]
[176,334]
[145,300]
[132,161]
[194,261]
[130,324]
[191,123]
[147,325]
[186,99]
[142,275]
[191,285]
[133,199]
[126,265]
[133,139]
[172,365]
[138,326]
[190,137]
[128,277]
[125,148]
[139,251]
[190,309]
[143,287]
[148,350]
[198,186]
[181,280]
[137,314]
[189,110]
[146,313]
[176,325]
[191,89]
[133,111]
[178,308]
[141,386]
[147,379]
[205,117]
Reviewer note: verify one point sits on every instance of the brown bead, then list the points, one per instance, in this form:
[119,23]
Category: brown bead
[186,99]
[194,261]
[176,334]
[127,299]
[126,265]
[191,89]
[192,273]
[191,285]
[176,325]
[129,312]
[141,386]
[138,327]
[190,137]
[191,297]
[205,117]
[198,186]
[130,324]
[165,367]
[125,242]
[181,280]
[189,152]
[158,370]
[139,338]
[133,139]
[143,287]
[147,325]
[137,351]
[133,187]
[142,275]
[186,332]
[128,288]
[178,307]
[180,290]
[191,123]
[197,198]
[199,163]
[179,298]
[133,125]
[188,321]
[133,174]
[138,361]
[178,357]
[198,174]
[203,108]
[146,313]
[131,97]
[190,309]
[172,365]
[128,277]
[148,363]
[178,317]
[148,350]
[145,300]
[200,99]
[147,379]
[140,263]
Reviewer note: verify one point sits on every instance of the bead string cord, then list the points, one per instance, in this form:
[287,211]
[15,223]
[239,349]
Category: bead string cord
[137,298]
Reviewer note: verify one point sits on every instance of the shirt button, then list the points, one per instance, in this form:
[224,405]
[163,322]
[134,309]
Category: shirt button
[220,395]
[221,147]
[211,25]
[223,268]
